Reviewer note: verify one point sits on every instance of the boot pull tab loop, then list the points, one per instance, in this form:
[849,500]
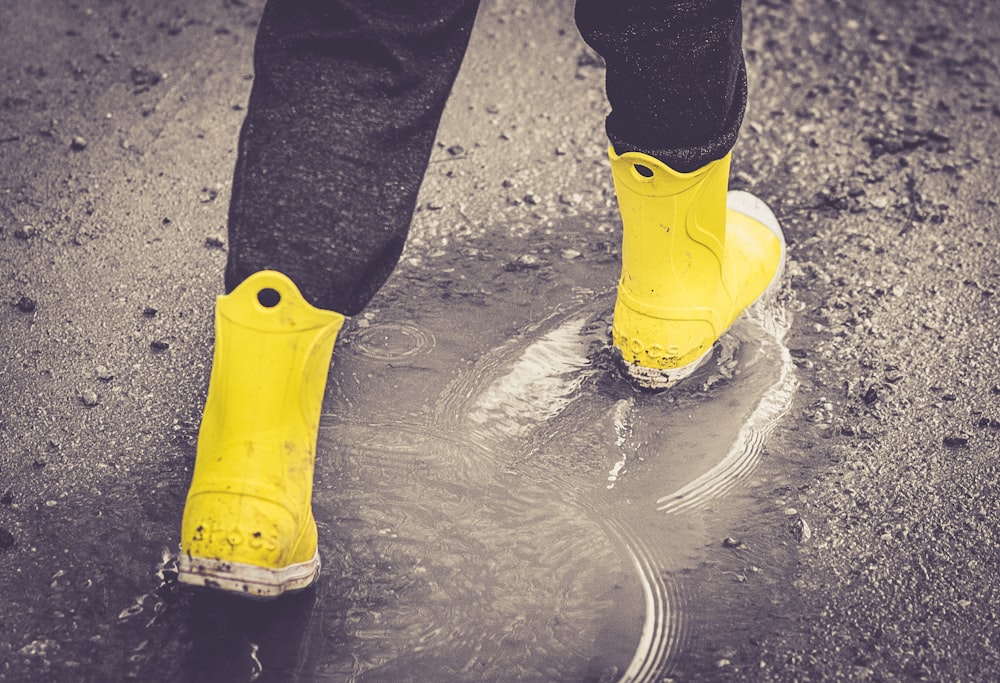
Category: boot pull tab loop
[269,300]
[268,297]
[642,173]
[272,293]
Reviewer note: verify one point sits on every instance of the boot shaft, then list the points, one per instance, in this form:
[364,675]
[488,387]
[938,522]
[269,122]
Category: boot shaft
[272,356]
[674,223]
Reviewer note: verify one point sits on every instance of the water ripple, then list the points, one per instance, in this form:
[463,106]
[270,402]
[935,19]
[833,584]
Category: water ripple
[391,341]
[743,455]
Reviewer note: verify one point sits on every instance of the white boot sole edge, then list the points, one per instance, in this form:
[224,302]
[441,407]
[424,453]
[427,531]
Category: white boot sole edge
[247,579]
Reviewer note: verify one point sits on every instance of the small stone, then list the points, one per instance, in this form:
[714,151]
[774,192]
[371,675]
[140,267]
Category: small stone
[455,150]
[722,663]
[144,78]
[6,539]
[159,345]
[532,198]
[213,242]
[89,398]
[730,542]
[103,374]
[26,232]
[956,440]
[79,143]
[570,254]
[523,262]
[26,304]
[149,312]
[801,530]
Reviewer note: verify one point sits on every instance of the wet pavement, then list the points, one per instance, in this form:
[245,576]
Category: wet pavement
[860,542]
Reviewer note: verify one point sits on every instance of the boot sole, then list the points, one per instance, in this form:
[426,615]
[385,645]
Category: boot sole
[751,206]
[247,579]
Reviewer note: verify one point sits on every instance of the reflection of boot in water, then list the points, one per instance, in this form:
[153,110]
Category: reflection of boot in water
[248,525]
[690,264]
[232,639]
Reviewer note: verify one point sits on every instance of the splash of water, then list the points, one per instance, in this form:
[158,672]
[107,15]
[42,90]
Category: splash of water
[622,431]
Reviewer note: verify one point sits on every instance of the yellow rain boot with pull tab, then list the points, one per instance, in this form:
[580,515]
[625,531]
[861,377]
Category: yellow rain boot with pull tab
[693,259]
[248,526]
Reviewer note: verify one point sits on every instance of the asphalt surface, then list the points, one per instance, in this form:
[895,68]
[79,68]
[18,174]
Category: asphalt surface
[874,552]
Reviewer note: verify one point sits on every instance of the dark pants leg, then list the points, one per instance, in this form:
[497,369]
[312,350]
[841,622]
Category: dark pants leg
[676,79]
[343,113]
[348,95]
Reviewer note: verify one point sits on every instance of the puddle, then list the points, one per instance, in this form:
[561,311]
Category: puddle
[495,501]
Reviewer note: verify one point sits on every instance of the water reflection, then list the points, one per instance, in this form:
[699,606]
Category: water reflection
[231,638]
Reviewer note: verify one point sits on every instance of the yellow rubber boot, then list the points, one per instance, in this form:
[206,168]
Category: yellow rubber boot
[248,525]
[690,263]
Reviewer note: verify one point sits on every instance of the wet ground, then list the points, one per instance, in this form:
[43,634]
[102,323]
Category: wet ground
[854,538]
